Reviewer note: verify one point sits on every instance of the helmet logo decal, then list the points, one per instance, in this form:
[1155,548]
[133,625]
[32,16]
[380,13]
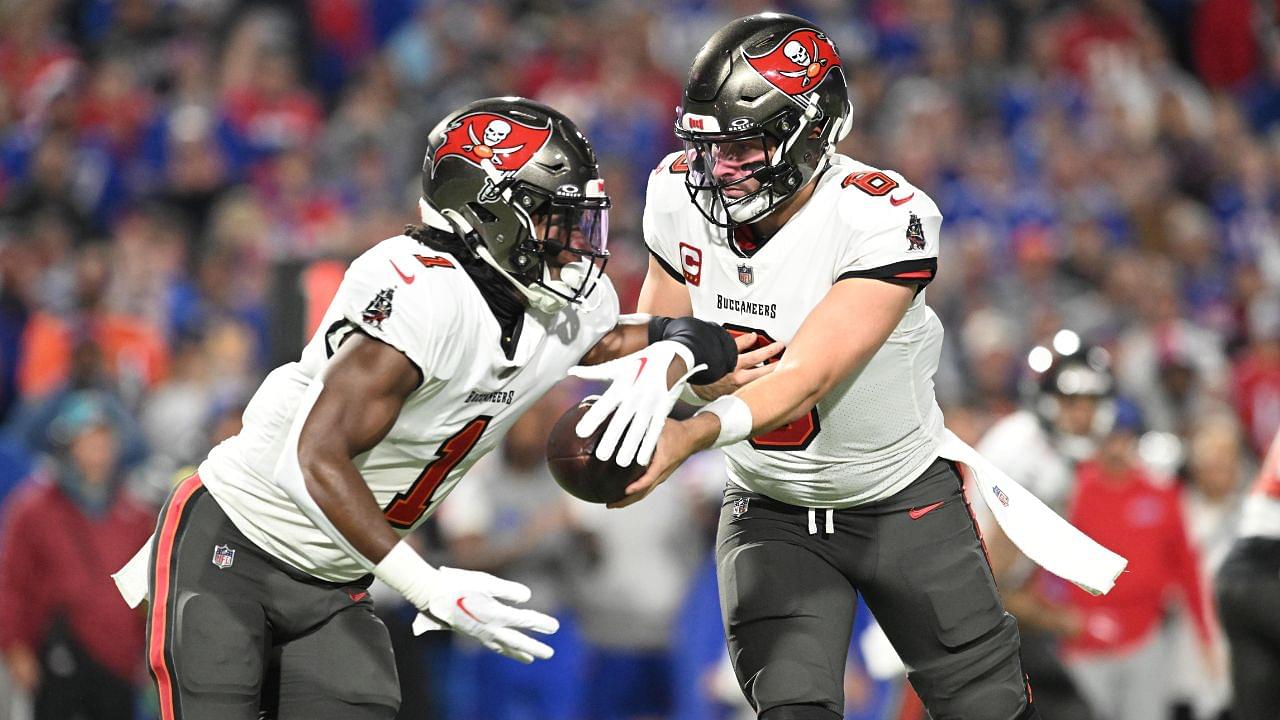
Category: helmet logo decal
[797,64]
[496,144]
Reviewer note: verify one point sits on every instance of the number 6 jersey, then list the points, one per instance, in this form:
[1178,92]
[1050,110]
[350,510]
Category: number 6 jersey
[422,303]
[876,431]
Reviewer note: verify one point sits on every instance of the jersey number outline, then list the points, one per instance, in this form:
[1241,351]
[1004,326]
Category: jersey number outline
[408,507]
[679,166]
[874,184]
[795,435]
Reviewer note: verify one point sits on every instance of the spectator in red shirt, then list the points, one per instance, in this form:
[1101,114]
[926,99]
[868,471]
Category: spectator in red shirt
[1118,660]
[67,637]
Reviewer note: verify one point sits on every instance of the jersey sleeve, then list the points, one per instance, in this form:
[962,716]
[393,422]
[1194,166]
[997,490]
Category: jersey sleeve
[607,308]
[664,197]
[901,244]
[406,303]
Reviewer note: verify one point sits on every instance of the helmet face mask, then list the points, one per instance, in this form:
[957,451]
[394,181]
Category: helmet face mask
[570,241]
[519,183]
[738,179]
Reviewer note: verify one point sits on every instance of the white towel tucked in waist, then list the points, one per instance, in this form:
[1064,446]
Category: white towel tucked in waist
[1041,534]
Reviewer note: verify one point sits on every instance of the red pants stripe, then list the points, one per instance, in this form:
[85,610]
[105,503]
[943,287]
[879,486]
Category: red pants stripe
[162,563]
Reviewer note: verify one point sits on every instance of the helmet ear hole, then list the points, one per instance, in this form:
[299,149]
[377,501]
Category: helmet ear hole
[481,212]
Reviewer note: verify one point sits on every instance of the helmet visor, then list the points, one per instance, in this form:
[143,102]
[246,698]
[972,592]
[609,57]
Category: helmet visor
[572,231]
[574,239]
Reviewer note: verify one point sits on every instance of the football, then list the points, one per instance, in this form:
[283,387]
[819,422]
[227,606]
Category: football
[574,465]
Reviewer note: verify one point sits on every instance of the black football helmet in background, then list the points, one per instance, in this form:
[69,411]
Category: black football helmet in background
[769,81]
[1065,372]
[520,185]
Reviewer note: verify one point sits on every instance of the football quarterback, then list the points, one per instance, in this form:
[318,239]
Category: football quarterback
[838,484]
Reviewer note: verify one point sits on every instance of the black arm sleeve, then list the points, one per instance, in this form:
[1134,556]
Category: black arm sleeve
[710,344]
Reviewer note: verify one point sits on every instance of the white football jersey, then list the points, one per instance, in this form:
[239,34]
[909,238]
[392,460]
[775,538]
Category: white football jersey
[1021,446]
[879,429]
[422,303]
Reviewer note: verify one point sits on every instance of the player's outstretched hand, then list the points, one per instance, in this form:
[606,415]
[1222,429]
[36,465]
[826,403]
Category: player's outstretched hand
[473,603]
[750,366]
[638,399]
[677,442]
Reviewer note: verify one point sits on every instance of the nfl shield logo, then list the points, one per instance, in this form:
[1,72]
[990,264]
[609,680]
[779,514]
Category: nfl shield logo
[1004,499]
[746,275]
[740,506]
[223,556]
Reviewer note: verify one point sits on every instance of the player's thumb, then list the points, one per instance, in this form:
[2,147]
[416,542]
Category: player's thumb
[603,371]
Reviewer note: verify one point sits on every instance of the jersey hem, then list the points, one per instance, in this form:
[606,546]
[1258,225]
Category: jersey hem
[206,473]
[882,493]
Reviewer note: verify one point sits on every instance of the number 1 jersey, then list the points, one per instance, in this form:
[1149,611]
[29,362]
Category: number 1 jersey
[422,303]
[880,428]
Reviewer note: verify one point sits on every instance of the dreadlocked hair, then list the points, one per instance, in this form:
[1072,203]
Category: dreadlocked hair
[503,299]
[437,239]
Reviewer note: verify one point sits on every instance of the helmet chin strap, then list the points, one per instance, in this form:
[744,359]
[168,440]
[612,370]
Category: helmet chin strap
[539,298]
[741,212]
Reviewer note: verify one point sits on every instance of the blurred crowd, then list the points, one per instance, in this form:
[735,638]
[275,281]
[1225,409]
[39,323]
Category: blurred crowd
[181,182]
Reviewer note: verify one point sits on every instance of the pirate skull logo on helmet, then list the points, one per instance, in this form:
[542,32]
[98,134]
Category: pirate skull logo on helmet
[797,53]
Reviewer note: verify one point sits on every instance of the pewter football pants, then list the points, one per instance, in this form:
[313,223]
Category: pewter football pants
[788,596]
[233,632]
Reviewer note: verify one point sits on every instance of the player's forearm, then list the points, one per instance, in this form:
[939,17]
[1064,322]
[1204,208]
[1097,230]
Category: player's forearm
[779,398]
[340,492]
[316,471]
[770,402]
[818,360]
[629,335]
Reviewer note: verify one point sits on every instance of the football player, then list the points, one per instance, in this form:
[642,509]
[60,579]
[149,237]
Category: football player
[1248,593]
[1070,406]
[837,486]
[435,342]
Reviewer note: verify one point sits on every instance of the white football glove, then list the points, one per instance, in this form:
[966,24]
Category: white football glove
[638,397]
[468,602]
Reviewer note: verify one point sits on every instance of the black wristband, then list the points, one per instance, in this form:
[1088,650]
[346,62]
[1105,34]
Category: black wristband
[709,343]
[657,328]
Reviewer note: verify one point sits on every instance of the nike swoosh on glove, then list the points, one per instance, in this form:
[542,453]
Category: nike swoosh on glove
[472,603]
[638,397]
